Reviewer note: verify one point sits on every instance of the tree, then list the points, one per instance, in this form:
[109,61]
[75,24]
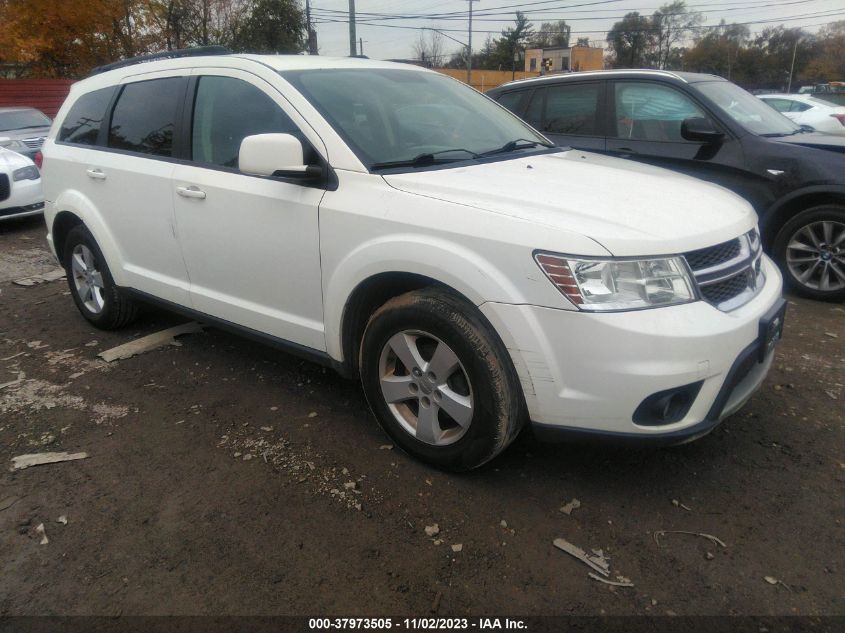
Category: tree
[828,63]
[671,24]
[429,47]
[718,51]
[552,34]
[630,41]
[583,41]
[272,26]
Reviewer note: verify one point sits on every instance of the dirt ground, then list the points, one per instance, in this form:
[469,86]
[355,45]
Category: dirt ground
[227,478]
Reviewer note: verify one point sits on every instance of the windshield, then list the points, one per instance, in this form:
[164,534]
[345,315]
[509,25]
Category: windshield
[750,112]
[390,116]
[22,119]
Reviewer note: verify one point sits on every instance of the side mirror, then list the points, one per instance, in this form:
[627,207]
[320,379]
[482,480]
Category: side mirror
[808,128]
[274,155]
[700,129]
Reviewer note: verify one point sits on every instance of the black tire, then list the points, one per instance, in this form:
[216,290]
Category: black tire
[117,309]
[498,411]
[811,288]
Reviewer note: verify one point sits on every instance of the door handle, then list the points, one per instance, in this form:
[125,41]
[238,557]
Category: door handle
[191,192]
[96,174]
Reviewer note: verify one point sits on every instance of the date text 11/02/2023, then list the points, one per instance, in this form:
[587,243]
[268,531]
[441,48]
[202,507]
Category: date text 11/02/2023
[417,624]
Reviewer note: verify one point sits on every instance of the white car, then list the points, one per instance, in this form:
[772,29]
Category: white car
[20,186]
[821,115]
[393,223]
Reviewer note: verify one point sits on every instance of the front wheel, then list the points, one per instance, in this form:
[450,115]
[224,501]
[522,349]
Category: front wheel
[439,381]
[810,249]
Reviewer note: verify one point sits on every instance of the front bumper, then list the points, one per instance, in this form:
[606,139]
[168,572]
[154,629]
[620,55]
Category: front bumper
[587,373]
[26,198]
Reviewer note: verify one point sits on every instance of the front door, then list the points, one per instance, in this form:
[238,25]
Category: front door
[645,120]
[251,244]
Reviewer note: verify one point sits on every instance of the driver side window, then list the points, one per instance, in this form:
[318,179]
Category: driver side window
[652,112]
[226,110]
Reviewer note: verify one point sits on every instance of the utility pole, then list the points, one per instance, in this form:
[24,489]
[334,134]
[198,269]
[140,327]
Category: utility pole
[312,35]
[469,45]
[792,67]
[352,38]
[361,46]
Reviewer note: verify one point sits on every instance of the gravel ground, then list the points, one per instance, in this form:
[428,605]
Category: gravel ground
[227,478]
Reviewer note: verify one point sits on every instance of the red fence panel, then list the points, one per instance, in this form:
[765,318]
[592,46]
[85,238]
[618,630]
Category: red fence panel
[46,95]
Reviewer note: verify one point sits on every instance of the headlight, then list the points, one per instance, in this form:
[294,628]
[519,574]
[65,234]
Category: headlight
[26,173]
[605,284]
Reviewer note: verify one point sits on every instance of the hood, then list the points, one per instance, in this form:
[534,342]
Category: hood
[818,141]
[629,208]
[9,160]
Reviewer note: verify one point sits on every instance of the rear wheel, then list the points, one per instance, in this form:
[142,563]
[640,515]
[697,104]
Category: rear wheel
[810,249]
[91,284]
[439,381]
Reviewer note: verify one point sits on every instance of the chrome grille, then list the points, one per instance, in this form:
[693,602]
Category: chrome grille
[729,274]
[33,143]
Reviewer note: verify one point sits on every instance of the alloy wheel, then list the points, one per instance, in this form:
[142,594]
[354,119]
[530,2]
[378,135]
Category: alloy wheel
[87,279]
[426,387]
[815,255]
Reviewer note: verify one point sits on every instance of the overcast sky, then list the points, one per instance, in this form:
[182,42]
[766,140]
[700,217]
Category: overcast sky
[386,37]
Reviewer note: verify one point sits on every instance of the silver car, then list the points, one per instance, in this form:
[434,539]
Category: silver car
[23,130]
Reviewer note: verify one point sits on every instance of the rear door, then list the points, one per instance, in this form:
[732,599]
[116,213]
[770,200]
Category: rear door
[129,182]
[644,124]
[572,114]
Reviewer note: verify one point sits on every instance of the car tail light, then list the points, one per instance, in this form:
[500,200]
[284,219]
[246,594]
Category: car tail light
[839,117]
[39,159]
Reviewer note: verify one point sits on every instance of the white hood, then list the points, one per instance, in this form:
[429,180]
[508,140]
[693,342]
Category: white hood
[10,161]
[628,207]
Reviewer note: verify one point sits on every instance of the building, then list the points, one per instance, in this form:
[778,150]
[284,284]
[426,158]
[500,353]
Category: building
[563,59]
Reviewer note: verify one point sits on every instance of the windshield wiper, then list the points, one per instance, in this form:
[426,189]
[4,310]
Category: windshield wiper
[512,146]
[424,160]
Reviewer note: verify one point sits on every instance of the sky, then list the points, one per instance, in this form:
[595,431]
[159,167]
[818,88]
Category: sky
[387,37]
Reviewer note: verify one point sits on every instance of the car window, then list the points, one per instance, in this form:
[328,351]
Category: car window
[226,110]
[534,113]
[396,115]
[799,106]
[23,119]
[572,109]
[82,124]
[144,118]
[652,112]
[781,105]
[514,101]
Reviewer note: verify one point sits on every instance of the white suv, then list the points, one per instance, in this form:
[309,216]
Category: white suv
[399,226]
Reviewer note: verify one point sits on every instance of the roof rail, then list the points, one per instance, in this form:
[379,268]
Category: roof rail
[197,51]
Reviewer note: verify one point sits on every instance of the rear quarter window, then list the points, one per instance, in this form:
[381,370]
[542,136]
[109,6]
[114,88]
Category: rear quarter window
[85,118]
[144,118]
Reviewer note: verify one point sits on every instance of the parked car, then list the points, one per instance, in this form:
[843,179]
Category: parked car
[20,186]
[23,130]
[707,127]
[823,116]
[471,274]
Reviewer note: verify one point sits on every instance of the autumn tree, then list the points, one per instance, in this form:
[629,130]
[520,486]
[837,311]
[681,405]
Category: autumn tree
[551,34]
[272,26]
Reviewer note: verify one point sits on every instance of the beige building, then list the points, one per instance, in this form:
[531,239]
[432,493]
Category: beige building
[563,59]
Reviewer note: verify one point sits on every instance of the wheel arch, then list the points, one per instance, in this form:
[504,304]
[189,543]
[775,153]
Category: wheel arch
[797,201]
[72,209]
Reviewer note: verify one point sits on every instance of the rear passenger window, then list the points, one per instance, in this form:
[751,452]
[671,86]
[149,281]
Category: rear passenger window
[572,109]
[82,124]
[226,110]
[144,118]
[534,113]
